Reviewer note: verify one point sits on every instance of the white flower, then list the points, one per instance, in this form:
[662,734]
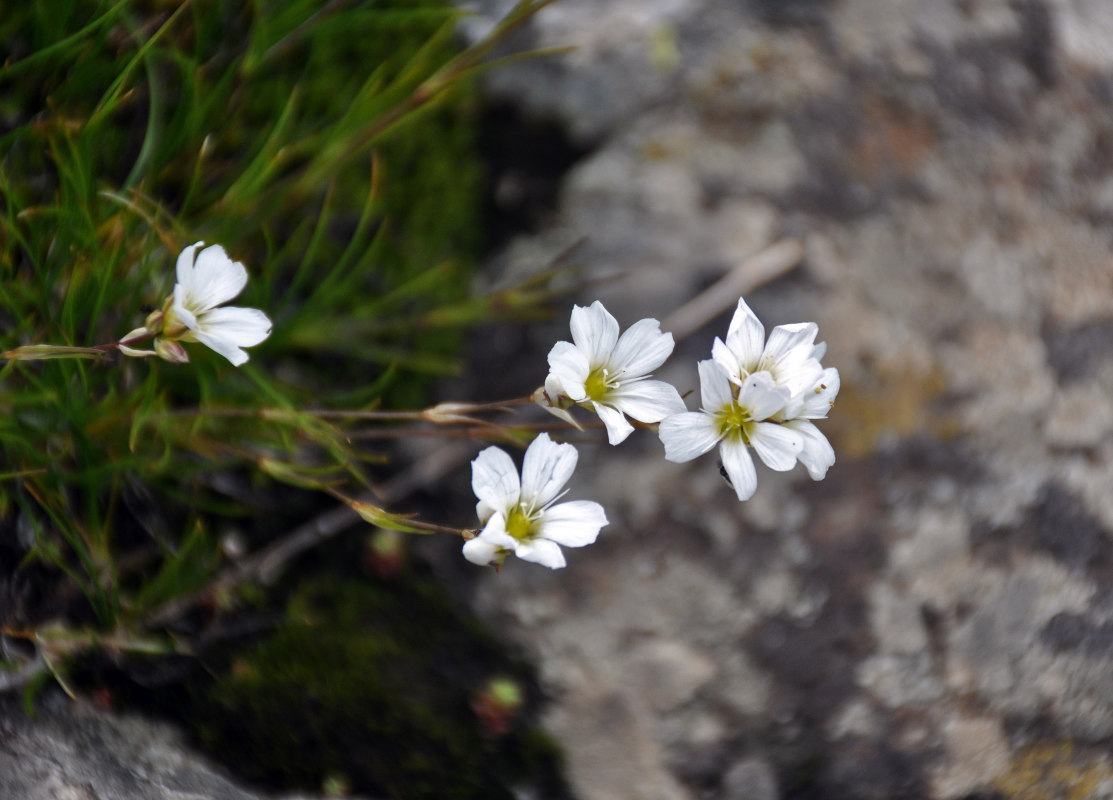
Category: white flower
[610,373]
[192,314]
[522,517]
[790,356]
[735,417]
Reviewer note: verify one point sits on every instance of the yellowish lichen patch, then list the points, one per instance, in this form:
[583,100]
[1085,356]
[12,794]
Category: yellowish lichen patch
[1054,770]
[891,404]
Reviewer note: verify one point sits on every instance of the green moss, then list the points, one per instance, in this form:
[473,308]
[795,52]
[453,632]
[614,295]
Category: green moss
[376,682]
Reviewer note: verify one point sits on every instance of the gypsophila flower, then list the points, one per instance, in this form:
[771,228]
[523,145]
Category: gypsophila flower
[735,418]
[191,313]
[610,373]
[522,516]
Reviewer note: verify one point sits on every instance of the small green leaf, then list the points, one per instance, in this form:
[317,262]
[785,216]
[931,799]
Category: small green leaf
[383,518]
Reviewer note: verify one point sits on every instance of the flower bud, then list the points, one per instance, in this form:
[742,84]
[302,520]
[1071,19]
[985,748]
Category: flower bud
[498,705]
[134,337]
[447,413]
[384,553]
[555,403]
[153,323]
[171,351]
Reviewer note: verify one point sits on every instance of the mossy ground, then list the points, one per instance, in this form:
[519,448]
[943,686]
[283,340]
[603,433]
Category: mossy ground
[375,682]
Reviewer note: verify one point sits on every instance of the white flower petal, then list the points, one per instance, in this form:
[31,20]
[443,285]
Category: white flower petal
[617,426]
[184,267]
[494,479]
[216,279]
[817,401]
[553,387]
[786,338]
[484,510]
[739,467]
[541,551]
[641,349]
[688,435]
[570,368]
[818,455]
[480,551]
[555,400]
[714,384]
[572,524]
[647,401]
[761,396]
[595,332]
[562,414]
[243,327]
[746,335]
[776,445]
[181,307]
[225,347]
[798,375]
[226,330]
[495,532]
[545,470]
[726,358]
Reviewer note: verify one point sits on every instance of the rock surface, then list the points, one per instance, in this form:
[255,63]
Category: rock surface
[71,751]
[935,619]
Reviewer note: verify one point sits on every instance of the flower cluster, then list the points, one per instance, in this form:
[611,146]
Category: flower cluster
[754,393]
[191,313]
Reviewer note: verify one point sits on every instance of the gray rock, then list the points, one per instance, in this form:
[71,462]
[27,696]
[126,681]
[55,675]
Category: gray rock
[751,779]
[945,166]
[71,751]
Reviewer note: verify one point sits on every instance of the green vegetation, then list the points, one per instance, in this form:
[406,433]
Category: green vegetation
[329,145]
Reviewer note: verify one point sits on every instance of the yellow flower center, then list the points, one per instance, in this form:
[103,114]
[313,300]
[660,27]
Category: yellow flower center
[733,421]
[519,525]
[596,384]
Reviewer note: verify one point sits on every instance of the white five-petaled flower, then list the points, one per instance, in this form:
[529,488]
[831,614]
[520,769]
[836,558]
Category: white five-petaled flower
[191,314]
[203,284]
[735,417]
[522,516]
[610,373]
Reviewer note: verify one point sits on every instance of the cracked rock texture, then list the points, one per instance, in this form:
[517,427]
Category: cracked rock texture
[935,619]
